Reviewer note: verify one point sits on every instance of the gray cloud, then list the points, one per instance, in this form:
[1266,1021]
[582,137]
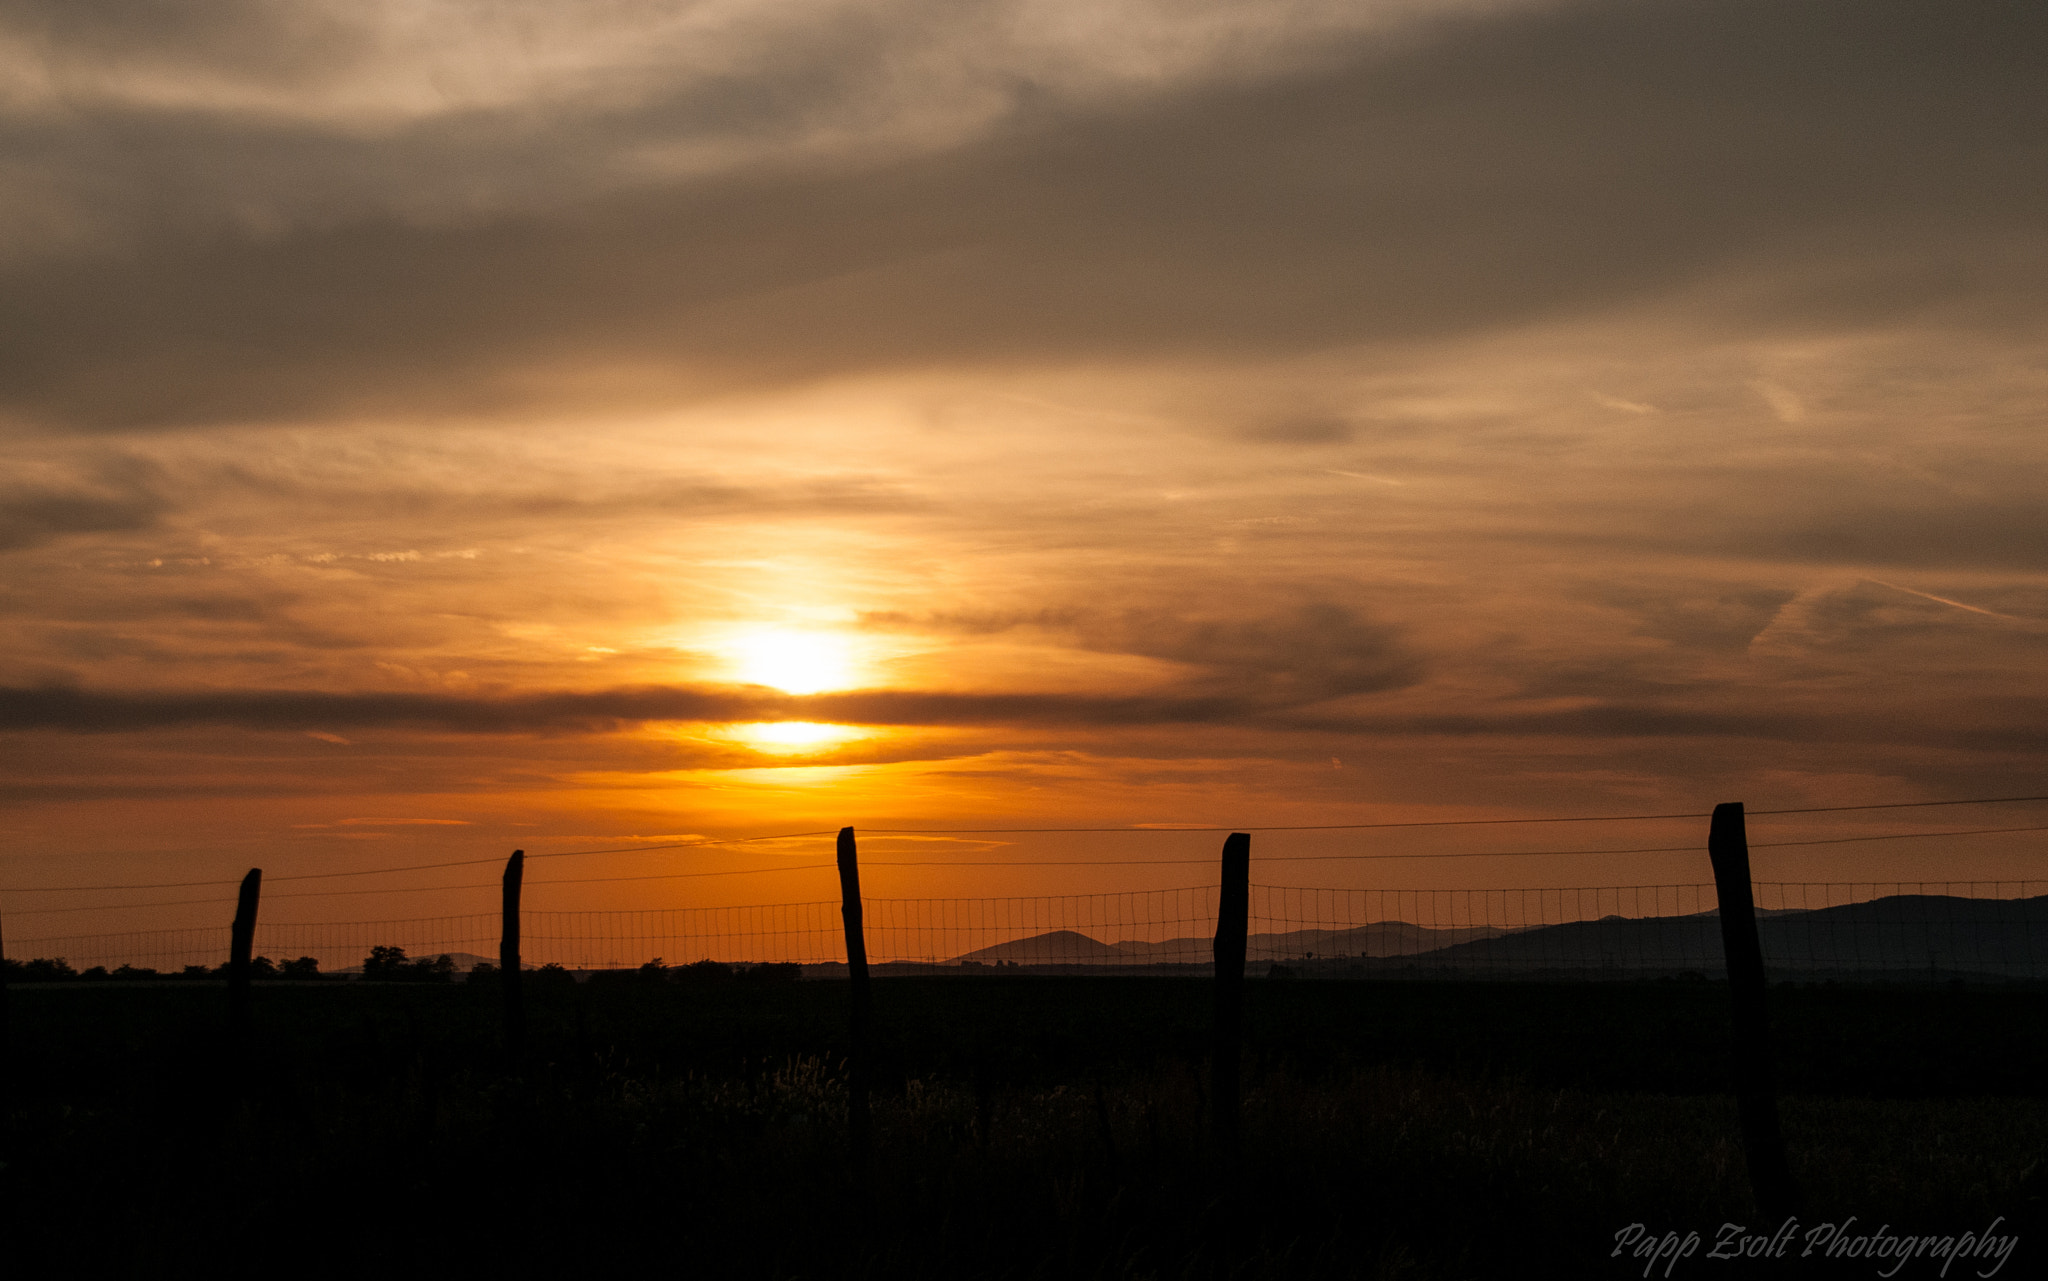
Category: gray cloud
[1825,162]
[1706,617]
[82,711]
[1314,650]
[1249,671]
[89,712]
[118,495]
[2000,532]
[500,494]
[1319,650]
[123,118]
[1301,430]
[1981,729]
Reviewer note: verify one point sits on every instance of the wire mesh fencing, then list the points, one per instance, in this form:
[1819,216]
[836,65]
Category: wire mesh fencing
[1908,931]
[336,946]
[804,933]
[1857,932]
[1092,932]
[1375,930]
[160,951]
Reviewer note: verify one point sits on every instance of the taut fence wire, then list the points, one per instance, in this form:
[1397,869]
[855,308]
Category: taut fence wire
[1144,829]
[1984,931]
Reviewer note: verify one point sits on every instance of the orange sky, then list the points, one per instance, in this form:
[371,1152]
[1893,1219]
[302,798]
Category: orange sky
[435,429]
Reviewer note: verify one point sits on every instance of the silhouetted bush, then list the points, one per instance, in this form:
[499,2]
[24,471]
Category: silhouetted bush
[771,972]
[706,971]
[552,974]
[96,974]
[305,967]
[389,965]
[135,972]
[654,971]
[384,963]
[44,969]
[195,972]
[482,972]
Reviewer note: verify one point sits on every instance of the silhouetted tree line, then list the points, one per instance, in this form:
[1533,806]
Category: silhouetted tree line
[702,972]
[47,969]
[389,965]
[546,975]
[392,965]
[657,971]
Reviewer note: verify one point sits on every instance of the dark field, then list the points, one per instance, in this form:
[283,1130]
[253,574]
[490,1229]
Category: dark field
[1024,1128]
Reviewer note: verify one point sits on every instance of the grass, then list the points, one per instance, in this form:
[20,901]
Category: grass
[1024,1128]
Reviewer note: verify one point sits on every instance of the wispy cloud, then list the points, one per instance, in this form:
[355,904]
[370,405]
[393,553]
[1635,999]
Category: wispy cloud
[1785,403]
[1943,600]
[1625,406]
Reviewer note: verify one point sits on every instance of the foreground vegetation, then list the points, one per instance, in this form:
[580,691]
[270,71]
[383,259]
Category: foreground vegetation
[1024,1128]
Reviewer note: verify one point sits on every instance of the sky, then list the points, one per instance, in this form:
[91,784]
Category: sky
[429,428]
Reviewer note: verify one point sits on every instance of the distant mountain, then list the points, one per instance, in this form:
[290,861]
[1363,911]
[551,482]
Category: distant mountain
[1914,932]
[1379,939]
[1903,936]
[1906,935]
[1060,947]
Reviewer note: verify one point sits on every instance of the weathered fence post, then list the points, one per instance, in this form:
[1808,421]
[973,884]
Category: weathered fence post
[508,957]
[242,941]
[1770,1176]
[1233,908]
[6,1049]
[857,996]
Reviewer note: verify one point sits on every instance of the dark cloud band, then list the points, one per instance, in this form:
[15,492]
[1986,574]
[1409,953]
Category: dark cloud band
[93,712]
[1841,162]
[77,711]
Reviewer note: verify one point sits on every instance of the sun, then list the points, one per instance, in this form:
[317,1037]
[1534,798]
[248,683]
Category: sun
[794,738]
[792,661]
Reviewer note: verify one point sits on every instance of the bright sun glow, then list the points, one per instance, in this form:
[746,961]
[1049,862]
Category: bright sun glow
[788,738]
[793,662]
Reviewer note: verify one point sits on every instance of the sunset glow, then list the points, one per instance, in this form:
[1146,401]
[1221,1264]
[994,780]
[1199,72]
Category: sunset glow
[793,737]
[793,662]
[1288,415]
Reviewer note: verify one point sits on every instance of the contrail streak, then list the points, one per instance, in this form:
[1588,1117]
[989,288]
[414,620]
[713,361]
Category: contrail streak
[1943,600]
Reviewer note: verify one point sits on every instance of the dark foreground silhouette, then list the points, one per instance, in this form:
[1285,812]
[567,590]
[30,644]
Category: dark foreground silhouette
[1022,1128]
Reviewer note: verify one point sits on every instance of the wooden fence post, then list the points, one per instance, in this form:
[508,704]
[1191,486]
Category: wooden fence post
[857,1123]
[242,941]
[1233,908]
[1770,1176]
[508,957]
[6,1047]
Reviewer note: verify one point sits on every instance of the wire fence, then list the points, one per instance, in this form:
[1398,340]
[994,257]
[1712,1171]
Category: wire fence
[1858,932]
[1855,932]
